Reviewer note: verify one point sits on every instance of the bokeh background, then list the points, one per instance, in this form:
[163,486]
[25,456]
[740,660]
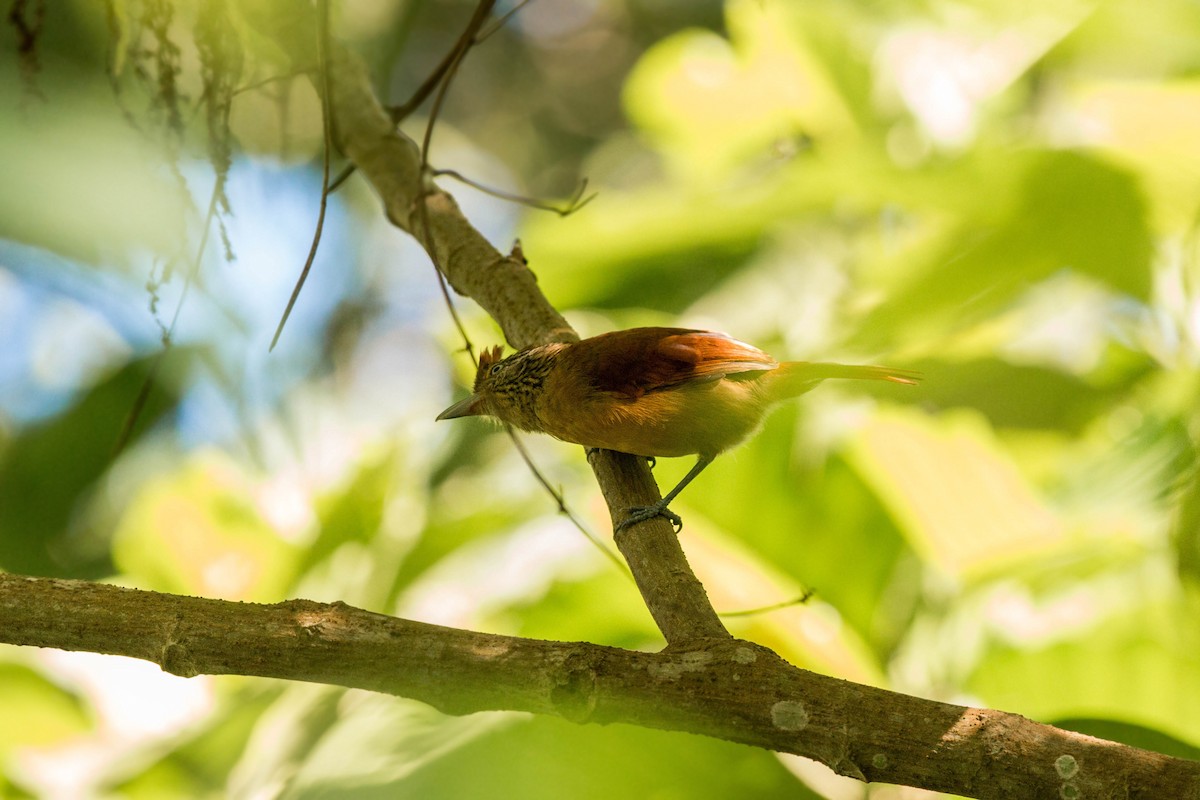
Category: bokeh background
[1002,195]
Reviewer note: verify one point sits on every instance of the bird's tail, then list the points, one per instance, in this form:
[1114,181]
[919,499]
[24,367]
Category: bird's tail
[794,378]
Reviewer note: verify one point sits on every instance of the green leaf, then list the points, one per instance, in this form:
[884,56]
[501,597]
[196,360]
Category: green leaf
[81,154]
[35,712]
[604,608]
[1029,216]
[1134,665]
[959,498]
[712,102]
[804,517]
[494,755]
[1018,396]
[198,531]
[1130,734]
[48,470]
[1186,531]
[355,512]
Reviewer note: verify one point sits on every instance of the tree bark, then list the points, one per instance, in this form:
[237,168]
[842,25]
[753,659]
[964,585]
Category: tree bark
[725,688]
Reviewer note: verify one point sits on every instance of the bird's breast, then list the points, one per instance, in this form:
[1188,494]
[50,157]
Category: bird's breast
[704,417]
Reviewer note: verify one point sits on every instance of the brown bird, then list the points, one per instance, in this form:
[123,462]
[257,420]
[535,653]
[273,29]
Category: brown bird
[648,392]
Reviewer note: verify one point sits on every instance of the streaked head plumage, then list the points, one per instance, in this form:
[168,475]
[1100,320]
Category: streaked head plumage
[508,388]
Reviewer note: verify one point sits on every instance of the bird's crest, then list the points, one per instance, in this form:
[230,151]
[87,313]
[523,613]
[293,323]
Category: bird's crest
[488,357]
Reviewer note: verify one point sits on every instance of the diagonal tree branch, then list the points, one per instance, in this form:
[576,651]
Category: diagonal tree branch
[728,689]
[506,288]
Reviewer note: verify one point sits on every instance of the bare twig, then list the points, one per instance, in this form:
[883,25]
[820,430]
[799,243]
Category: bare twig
[576,202]
[266,82]
[751,612]
[327,118]
[500,22]
[341,178]
[143,395]
[449,62]
[464,42]
[563,509]
[443,86]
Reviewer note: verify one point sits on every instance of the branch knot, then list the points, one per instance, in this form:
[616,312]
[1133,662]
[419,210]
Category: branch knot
[574,690]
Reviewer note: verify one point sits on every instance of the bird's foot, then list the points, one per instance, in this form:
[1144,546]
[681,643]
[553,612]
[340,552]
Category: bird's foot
[642,513]
[651,462]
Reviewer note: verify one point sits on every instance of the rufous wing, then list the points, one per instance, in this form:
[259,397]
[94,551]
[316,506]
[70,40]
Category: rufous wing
[634,362]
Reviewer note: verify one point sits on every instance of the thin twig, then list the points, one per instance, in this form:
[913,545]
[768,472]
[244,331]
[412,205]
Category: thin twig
[266,82]
[562,504]
[346,172]
[464,44]
[323,66]
[458,53]
[500,22]
[168,333]
[576,202]
[430,84]
[750,612]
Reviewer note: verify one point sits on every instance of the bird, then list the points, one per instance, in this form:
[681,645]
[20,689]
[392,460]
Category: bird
[650,392]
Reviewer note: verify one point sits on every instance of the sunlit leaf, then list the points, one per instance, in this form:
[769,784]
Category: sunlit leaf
[121,198]
[34,712]
[711,102]
[1032,215]
[1031,397]
[380,741]
[1088,674]
[354,513]
[199,532]
[283,737]
[1186,532]
[200,765]
[1150,126]
[809,634]
[960,500]
[389,748]
[605,608]
[805,516]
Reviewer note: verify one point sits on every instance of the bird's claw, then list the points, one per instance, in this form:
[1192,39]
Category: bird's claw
[642,513]
[651,462]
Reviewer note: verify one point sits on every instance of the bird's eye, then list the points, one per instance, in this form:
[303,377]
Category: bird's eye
[495,370]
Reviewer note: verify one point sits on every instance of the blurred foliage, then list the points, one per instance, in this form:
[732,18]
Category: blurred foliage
[1006,201]
[47,471]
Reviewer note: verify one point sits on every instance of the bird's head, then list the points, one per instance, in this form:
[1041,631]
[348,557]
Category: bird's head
[507,388]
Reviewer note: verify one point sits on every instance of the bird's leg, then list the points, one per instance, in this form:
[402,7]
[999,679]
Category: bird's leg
[642,513]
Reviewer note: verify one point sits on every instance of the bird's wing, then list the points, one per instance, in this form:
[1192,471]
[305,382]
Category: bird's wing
[640,360]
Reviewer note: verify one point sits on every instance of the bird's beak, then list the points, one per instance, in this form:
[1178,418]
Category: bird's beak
[467,407]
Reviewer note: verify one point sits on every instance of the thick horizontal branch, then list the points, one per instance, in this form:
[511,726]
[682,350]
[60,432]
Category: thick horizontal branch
[724,688]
